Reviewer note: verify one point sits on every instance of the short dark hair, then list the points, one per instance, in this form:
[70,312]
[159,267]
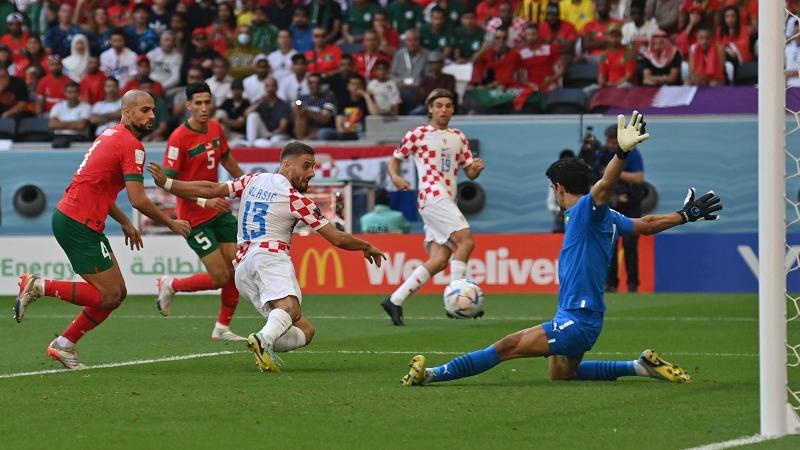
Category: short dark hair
[572,173]
[382,63]
[381,196]
[296,148]
[437,9]
[142,6]
[315,75]
[611,132]
[72,84]
[566,153]
[358,77]
[116,81]
[118,31]
[196,88]
[347,56]
[237,83]
[299,57]
[300,9]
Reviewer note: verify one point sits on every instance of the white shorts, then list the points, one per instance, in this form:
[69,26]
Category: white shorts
[442,219]
[263,276]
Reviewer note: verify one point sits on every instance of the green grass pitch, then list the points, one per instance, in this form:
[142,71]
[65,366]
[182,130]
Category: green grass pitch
[343,390]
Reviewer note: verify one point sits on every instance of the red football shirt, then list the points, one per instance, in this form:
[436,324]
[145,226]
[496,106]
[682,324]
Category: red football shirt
[617,63]
[52,89]
[194,155]
[16,46]
[365,63]
[116,156]
[325,61]
[539,63]
[92,87]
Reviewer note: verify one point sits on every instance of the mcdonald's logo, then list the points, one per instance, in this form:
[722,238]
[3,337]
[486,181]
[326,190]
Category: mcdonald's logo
[321,264]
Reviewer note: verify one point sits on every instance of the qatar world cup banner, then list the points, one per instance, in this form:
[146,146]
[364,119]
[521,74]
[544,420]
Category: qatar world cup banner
[500,263]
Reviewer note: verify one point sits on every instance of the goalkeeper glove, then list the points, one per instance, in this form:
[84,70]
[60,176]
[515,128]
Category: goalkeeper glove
[701,208]
[632,135]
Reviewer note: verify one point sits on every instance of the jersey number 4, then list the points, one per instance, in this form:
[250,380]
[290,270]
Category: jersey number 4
[254,213]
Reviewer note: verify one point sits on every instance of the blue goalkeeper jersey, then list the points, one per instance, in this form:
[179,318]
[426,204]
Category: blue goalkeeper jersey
[590,233]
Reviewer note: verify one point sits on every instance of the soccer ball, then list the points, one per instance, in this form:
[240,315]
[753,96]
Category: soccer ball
[463,299]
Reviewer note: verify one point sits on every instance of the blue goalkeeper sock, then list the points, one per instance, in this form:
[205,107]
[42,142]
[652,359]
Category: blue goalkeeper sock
[467,365]
[605,370]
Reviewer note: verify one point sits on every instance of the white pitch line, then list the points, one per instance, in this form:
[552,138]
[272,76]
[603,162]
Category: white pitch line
[138,362]
[135,362]
[738,442]
[490,318]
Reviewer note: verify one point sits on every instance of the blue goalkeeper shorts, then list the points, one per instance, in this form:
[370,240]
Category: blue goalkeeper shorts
[573,332]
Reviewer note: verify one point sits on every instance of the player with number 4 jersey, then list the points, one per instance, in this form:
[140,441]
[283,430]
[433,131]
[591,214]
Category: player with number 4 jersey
[114,162]
[271,205]
[195,150]
[439,152]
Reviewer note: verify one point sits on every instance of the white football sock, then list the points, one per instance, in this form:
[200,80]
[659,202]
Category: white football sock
[218,327]
[458,270]
[294,338]
[278,322]
[640,370]
[419,277]
[63,342]
[39,284]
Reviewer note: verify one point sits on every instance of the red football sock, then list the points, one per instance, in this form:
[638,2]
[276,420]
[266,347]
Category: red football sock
[193,283]
[79,293]
[85,322]
[229,298]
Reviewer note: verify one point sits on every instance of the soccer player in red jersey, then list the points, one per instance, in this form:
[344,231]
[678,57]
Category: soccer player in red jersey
[195,150]
[114,162]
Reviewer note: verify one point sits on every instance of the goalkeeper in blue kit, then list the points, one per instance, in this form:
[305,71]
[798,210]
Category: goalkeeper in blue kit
[591,229]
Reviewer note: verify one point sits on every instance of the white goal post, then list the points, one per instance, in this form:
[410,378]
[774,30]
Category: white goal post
[778,415]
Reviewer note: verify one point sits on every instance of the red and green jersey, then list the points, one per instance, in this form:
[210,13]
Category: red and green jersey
[116,156]
[194,155]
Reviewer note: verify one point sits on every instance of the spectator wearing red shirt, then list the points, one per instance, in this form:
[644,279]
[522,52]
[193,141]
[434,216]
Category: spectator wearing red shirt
[120,13]
[365,60]
[496,64]
[688,34]
[706,60]
[485,10]
[142,73]
[323,57]
[539,62]
[734,37]
[92,86]
[559,32]
[33,55]
[16,38]
[618,63]
[50,89]
[388,37]
[708,10]
[595,33]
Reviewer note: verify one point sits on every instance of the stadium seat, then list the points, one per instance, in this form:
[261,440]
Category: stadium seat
[34,129]
[746,74]
[7,128]
[566,101]
[581,75]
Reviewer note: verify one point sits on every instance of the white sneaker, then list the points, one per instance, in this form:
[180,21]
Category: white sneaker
[225,334]
[29,292]
[165,294]
[66,356]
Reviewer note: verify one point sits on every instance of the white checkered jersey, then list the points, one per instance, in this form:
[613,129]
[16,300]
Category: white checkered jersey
[270,208]
[438,154]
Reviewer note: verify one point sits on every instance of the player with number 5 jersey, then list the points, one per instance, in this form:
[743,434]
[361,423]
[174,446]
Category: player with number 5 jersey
[114,162]
[195,150]
[271,205]
[439,152]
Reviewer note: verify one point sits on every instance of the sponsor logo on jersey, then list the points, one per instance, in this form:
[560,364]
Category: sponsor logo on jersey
[172,152]
[138,156]
[321,264]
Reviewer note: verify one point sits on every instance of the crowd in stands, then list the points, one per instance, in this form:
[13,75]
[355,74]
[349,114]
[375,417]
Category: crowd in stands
[315,68]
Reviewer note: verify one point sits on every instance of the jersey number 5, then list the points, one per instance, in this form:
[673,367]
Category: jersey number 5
[211,161]
[254,213]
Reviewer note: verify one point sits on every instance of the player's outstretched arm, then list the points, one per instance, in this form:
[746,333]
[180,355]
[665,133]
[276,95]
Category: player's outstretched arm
[132,236]
[187,189]
[629,137]
[140,201]
[347,241]
[694,209]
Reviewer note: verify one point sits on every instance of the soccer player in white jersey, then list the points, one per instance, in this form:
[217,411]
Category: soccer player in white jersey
[271,205]
[439,152]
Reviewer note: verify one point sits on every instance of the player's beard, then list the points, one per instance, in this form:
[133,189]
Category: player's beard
[143,128]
